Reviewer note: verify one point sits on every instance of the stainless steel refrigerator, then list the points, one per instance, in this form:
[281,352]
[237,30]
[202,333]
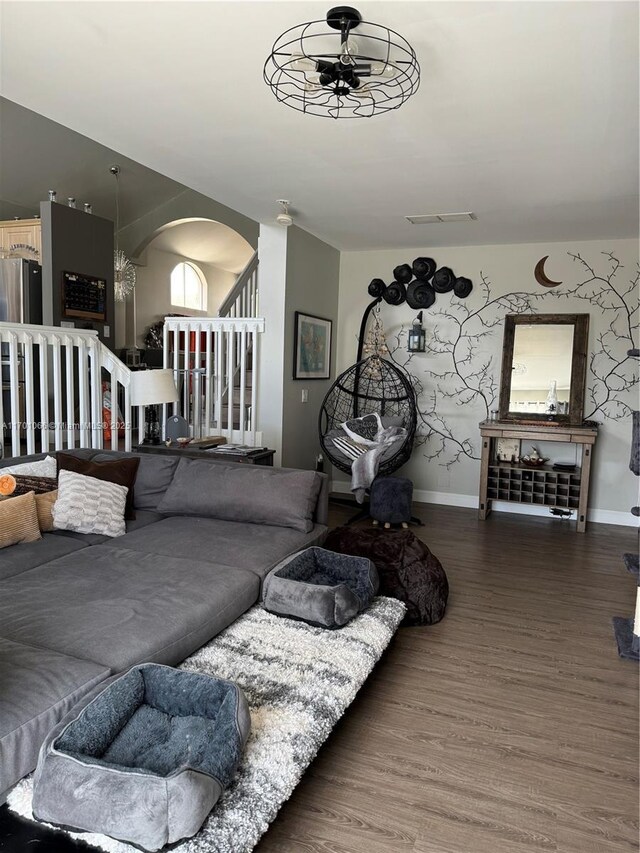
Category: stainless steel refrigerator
[20,302]
[20,291]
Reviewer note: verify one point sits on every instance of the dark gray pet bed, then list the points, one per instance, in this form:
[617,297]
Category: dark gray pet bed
[145,758]
[320,587]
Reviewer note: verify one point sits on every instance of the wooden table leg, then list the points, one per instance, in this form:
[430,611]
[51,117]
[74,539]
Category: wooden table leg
[585,470]
[485,505]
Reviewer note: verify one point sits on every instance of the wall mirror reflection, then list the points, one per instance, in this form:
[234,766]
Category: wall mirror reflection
[544,367]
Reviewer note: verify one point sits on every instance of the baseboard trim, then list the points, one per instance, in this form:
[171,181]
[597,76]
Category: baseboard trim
[596,516]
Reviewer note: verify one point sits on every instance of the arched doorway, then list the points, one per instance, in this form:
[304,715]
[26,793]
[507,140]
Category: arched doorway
[213,251]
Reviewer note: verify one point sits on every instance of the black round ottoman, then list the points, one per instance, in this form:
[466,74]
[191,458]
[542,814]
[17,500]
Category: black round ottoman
[390,500]
[406,567]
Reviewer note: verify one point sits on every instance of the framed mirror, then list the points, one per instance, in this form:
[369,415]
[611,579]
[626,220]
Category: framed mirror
[544,366]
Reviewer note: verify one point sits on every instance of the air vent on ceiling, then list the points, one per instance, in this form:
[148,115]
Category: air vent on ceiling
[430,218]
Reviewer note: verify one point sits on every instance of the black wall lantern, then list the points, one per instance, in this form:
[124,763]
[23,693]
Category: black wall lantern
[417,338]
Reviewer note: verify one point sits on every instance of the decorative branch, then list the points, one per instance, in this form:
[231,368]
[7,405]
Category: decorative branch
[613,373]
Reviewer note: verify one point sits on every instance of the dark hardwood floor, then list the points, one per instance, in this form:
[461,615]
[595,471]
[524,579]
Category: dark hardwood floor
[511,726]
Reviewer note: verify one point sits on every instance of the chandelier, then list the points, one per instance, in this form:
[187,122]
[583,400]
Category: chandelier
[124,272]
[365,70]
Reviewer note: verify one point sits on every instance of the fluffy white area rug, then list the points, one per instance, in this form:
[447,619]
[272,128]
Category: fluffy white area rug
[298,681]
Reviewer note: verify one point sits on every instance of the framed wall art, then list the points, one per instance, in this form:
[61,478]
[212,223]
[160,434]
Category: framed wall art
[312,347]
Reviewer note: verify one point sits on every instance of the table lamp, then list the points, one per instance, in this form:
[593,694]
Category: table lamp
[150,388]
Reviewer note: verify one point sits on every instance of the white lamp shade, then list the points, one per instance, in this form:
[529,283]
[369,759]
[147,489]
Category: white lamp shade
[149,387]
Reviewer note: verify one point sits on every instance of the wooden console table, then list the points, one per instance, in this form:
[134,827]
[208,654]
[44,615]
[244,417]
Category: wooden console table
[261,456]
[541,486]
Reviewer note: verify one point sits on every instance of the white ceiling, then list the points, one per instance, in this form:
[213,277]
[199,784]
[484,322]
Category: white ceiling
[527,113]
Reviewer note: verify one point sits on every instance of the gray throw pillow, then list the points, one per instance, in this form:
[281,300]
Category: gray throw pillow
[248,493]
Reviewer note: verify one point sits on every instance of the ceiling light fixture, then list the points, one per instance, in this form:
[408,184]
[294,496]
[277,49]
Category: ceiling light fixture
[284,217]
[124,272]
[314,71]
[433,218]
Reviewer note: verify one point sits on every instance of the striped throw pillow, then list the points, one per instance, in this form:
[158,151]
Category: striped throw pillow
[351,449]
[88,505]
[18,520]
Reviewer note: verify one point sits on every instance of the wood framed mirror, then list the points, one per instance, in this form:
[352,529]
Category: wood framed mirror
[544,367]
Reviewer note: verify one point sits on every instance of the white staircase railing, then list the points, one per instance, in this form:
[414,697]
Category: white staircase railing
[215,364]
[57,382]
[242,300]
[54,388]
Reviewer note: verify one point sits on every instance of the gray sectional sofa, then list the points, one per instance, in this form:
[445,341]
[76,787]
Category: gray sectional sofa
[77,608]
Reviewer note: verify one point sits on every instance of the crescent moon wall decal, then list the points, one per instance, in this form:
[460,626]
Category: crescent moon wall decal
[541,276]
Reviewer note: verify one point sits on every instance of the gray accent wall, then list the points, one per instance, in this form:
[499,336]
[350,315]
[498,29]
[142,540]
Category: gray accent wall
[37,154]
[74,241]
[313,273]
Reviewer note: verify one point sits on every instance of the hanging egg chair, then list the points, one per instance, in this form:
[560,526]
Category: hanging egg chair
[372,385]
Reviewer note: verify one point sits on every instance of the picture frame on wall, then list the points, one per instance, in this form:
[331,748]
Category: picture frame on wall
[312,347]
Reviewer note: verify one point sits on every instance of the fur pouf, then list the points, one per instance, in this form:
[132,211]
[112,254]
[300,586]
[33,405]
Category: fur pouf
[406,567]
[298,681]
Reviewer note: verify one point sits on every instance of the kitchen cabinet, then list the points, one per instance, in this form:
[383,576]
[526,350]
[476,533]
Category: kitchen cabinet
[21,233]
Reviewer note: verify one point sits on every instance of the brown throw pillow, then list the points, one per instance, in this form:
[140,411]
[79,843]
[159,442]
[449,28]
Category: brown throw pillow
[122,472]
[18,520]
[39,485]
[44,504]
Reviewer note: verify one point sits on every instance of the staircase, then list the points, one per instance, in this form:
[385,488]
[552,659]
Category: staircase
[215,363]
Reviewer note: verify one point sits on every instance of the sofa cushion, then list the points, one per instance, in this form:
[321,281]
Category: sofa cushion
[120,607]
[122,472]
[18,520]
[89,505]
[154,476]
[248,546]
[248,493]
[28,555]
[39,687]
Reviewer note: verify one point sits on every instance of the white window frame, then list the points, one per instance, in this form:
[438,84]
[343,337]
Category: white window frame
[178,301]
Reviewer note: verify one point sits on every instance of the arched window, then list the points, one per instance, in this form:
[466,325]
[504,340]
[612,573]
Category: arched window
[188,287]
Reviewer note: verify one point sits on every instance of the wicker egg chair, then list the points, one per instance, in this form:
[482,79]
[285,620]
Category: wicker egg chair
[371,385]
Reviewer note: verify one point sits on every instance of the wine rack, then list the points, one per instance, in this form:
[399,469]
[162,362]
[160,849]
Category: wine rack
[538,486]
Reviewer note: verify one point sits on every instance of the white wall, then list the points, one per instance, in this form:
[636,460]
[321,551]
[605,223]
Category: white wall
[153,289]
[272,251]
[507,268]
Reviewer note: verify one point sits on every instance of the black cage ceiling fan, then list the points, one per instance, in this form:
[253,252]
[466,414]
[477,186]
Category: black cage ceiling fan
[364,70]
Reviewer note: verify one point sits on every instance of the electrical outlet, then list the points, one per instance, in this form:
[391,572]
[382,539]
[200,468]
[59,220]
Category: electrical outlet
[107,331]
[305,395]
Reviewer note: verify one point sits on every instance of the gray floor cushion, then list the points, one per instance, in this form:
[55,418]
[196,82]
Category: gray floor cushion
[27,555]
[37,688]
[258,547]
[123,607]
[320,587]
[146,759]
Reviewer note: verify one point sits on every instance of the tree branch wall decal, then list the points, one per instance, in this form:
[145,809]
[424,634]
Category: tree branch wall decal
[463,342]
[613,373]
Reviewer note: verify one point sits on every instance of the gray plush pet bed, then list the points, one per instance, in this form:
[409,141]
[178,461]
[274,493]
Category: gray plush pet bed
[145,758]
[320,587]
